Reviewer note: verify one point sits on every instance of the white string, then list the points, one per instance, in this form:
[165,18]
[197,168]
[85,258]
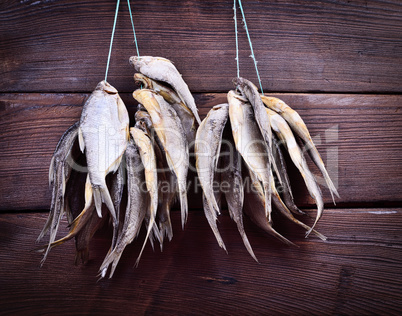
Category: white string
[237,40]
[111,40]
[251,45]
[132,23]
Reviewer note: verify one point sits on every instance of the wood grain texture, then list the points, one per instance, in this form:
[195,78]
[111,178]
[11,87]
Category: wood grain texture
[301,46]
[358,271]
[359,137]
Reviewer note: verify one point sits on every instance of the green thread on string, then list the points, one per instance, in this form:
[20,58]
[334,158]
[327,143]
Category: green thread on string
[237,40]
[111,40]
[132,23]
[249,41]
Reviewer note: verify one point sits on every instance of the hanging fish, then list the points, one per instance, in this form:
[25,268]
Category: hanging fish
[284,132]
[103,134]
[207,148]
[162,69]
[170,132]
[250,143]
[59,173]
[234,193]
[167,180]
[299,127]
[185,115]
[250,92]
[147,154]
[137,205]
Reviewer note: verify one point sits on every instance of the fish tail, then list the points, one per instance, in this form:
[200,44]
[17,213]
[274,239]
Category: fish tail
[183,203]
[320,210]
[246,242]
[101,194]
[112,258]
[268,204]
[149,230]
[210,214]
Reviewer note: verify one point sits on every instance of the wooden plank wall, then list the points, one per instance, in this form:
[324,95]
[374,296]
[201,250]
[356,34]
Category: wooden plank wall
[338,63]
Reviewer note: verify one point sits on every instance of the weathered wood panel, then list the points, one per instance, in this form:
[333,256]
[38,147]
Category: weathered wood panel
[358,271]
[360,136]
[301,46]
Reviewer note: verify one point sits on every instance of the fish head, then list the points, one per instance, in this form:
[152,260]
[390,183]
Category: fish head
[143,81]
[233,96]
[139,61]
[243,84]
[220,106]
[106,87]
[144,118]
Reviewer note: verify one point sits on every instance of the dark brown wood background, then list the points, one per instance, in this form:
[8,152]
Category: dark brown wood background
[338,63]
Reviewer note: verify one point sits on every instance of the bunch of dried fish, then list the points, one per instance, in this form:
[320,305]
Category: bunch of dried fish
[156,155]
[150,161]
[260,126]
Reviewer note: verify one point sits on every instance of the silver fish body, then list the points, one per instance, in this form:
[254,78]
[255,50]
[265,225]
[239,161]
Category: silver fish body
[250,91]
[59,173]
[137,204]
[103,134]
[207,148]
[234,191]
[284,132]
[170,132]
[299,127]
[147,154]
[250,143]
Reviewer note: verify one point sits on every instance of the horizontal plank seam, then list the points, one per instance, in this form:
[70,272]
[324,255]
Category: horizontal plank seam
[336,208]
[378,93]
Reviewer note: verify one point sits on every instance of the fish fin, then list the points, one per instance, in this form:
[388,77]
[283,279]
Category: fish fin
[81,140]
[268,204]
[101,194]
[115,165]
[285,211]
[51,171]
[121,110]
[149,230]
[240,228]
[211,218]
[183,203]
[78,223]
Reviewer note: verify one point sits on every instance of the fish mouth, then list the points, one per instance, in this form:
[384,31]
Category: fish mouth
[107,87]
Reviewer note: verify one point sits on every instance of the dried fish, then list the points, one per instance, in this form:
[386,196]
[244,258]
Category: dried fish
[254,207]
[234,192]
[103,134]
[79,222]
[207,148]
[284,132]
[137,204]
[170,132]
[166,178]
[59,173]
[299,127]
[187,118]
[162,69]
[148,160]
[250,143]
[286,188]
[250,91]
